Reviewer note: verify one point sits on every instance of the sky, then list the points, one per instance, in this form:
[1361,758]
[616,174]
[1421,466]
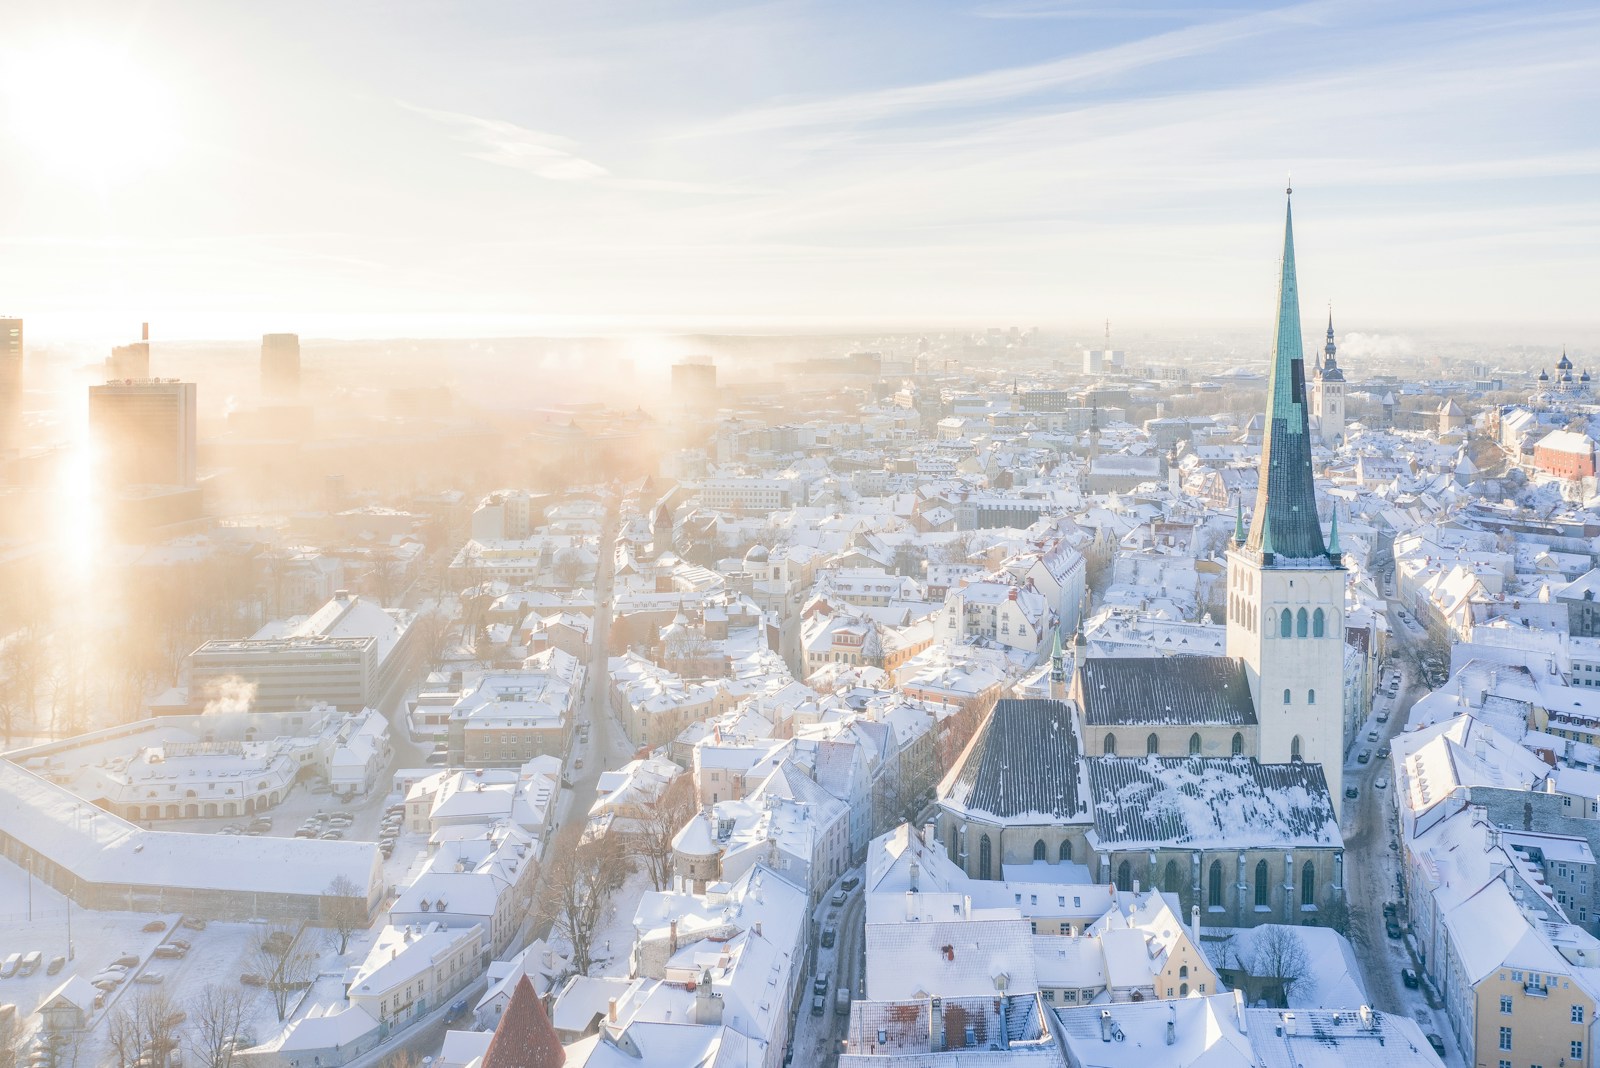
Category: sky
[486,168]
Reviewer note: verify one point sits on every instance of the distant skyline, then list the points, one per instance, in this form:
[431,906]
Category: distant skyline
[496,168]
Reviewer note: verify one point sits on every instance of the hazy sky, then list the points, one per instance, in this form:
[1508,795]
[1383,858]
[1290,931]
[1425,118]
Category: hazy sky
[227,168]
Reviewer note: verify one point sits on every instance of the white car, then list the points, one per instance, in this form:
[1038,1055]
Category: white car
[1381,784]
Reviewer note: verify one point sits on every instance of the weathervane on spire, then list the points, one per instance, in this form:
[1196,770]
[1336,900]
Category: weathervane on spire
[1289,191]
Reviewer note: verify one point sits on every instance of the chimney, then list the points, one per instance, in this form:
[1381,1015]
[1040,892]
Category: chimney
[1239,1013]
[611,1010]
[757,928]
[916,876]
[1367,1020]
[1288,1023]
[1172,1024]
[1136,888]
[672,938]
[928,836]
[1194,924]
[1105,1025]
[144,331]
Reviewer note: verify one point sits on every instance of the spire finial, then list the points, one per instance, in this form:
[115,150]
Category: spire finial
[1238,519]
[1333,534]
[1289,191]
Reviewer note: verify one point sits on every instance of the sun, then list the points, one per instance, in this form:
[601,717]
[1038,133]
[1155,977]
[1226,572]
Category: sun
[87,112]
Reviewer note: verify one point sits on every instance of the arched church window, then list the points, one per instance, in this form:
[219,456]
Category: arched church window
[1238,744]
[1170,877]
[1263,885]
[1152,744]
[984,858]
[1194,744]
[1294,748]
[1064,854]
[1311,697]
[1214,885]
[1110,746]
[1124,876]
[1286,624]
[1038,850]
[1308,884]
[1300,622]
[1288,698]
[1319,624]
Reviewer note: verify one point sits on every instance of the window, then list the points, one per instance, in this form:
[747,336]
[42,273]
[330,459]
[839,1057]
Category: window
[1183,971]
[1110,747]
[1287,697]
[1214,887]
[1505,1039]
[1183,990]
[984,858]
[1065,852]
[1152,745]
[1505,1004]
[1300,623]
[1311,697]
[1577,1014]
[1238,744]
[1294,747]
[1194,744]
[1319,624]
[1577,1051]
[1308,885]
[1169,878]
[1124,876]
[1286,621]
[1262,889]
[1038,850]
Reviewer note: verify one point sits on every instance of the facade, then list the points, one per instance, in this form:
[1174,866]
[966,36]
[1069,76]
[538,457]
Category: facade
[1565,454]
[10,381]
[280,366]
[414,969]
[145,429]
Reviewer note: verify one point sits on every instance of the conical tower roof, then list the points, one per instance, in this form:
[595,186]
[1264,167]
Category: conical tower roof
[1287,499]
[524,1037]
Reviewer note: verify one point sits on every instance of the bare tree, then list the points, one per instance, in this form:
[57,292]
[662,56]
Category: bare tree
[658,825]
[284,968]
[1279,957]
[955,731]
[577,880]
[148,1023]
[346,909]
[215,1019]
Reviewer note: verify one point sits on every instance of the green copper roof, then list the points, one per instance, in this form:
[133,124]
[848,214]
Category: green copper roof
[1287,499]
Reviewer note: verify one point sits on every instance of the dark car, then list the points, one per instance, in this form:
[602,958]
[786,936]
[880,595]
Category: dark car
[829,936]
[1408,977]
[1436,1042]
[1391,928]
[850,884]
[1351,792]
[819,985]
[1365,755]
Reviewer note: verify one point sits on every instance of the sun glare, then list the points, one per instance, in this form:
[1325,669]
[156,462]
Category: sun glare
[88,112]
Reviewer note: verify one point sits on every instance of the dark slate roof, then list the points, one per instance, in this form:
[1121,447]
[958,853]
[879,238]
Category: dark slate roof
[1022,765]
[1209,803]
[1168,689]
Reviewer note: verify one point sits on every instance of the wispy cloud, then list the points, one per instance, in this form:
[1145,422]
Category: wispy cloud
[999,86]
[548,155]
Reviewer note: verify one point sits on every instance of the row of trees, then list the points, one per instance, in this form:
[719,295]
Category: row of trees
[150,1024]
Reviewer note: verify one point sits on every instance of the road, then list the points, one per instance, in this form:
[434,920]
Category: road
[816,1040]
[1369,833]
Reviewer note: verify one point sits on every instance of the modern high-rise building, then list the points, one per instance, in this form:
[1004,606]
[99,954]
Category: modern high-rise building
[144,431]
[694,385]
[131,361]
[10,381]
[280,366]
[1285,582]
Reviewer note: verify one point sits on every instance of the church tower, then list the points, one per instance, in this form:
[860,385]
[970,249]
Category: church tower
[1285,584]
[1327,393]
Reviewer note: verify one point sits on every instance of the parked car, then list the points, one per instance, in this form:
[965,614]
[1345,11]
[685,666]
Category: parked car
[819,985]
[1391,927]
[1364,756]
[1436,1042]
[1383,754]
[55,966]
[154,925]
[1351,792]
[850,883]
[1372,736]
[30,962]
[165,952]
[127,960]
[1383,717]
[149,978]
[305,832]
[818,1003]
[251,979]
[1381,784]
[829,936]
[331,836]
[838,898]
[341,814]
[9,968]
[181,943]
[1409,977]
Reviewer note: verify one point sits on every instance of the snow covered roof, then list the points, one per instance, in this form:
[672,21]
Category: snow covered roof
[1221,802]
[1179,689]
[1024,764]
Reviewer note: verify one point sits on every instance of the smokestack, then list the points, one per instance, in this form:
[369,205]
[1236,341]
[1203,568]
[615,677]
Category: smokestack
[144,331]
[1288,1023]
[1194,924]
[1367,1020]
[1239,1013]
[672,937]
[1105,1025]
[611,1010]
[916,876]
[1172,1024]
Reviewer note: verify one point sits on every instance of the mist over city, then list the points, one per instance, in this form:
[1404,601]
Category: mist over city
[1018,533]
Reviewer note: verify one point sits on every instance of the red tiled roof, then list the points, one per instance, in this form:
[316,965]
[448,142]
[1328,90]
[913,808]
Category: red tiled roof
[525,1038]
